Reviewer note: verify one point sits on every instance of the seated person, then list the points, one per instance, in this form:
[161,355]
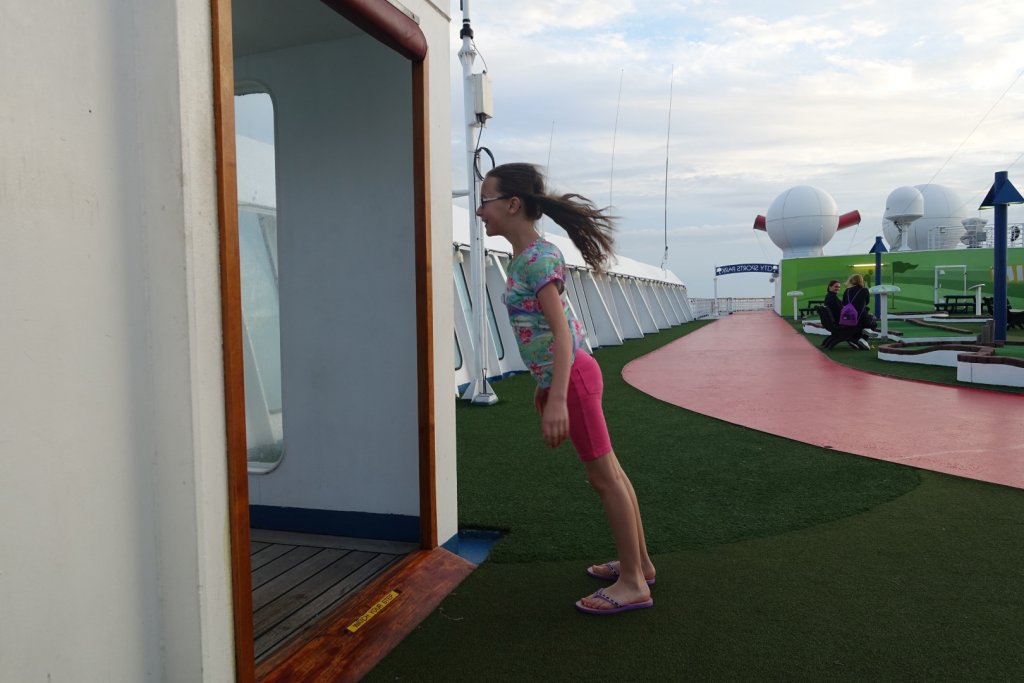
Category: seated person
[832,298]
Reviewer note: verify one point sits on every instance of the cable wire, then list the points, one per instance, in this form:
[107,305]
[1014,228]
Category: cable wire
[476,155]
[977,125]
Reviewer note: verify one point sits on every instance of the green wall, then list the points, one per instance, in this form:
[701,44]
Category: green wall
[912,271]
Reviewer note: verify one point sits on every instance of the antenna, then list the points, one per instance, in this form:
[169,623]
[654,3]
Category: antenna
[668,136]
[551,142]
[547,169]
[615,132]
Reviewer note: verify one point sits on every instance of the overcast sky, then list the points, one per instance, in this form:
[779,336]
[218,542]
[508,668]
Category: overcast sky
[857,98]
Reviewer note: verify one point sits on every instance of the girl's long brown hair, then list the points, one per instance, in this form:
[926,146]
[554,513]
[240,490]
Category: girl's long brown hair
[589,227]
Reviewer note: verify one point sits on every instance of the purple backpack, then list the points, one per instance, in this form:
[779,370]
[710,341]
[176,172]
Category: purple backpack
[848,315]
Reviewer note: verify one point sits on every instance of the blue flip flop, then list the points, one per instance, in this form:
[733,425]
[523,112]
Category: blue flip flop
[613,572]
[616,606]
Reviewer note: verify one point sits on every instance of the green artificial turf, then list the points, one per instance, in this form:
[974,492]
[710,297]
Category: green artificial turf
[938,374]
[924,588]
[776,560]
[1014,351]
[690,468]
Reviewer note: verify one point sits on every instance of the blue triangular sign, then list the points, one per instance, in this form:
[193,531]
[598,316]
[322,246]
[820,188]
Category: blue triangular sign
[1008,194]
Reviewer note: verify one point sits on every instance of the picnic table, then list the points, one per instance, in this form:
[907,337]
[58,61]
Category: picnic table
[957,303]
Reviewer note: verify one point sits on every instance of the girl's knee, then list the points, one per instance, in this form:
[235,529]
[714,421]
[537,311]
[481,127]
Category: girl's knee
[599,484]
[604,479]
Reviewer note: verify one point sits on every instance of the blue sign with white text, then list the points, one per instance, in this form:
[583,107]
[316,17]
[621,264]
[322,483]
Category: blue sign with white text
[772,268]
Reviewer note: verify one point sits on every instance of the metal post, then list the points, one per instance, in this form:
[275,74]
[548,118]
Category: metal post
[1002,194]
[878,249]
[977,299]
[714,305]
[479,390]
[884,292]
[795,294]
[883,313]
[999,267]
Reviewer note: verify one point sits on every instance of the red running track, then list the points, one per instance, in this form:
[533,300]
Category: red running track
[754,370]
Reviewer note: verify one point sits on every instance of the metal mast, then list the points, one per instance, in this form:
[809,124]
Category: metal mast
[479,390]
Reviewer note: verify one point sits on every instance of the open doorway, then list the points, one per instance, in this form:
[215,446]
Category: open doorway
[327,310]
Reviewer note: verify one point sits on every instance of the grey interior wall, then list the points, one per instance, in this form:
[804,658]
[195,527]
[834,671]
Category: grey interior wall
[347,286]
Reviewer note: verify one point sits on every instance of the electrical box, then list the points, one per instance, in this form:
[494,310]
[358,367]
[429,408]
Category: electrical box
[483,104]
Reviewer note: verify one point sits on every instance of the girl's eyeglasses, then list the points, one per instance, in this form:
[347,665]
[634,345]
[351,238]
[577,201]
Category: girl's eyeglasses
[484,200]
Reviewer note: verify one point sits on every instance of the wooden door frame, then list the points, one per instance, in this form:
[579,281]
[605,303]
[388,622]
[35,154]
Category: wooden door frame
[231,322]
[373,11]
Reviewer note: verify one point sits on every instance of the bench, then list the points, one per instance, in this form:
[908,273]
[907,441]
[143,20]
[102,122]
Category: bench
[954,308]
[1014,317]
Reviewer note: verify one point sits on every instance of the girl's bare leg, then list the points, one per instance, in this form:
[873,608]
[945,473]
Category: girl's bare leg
[645,559]
[619,501]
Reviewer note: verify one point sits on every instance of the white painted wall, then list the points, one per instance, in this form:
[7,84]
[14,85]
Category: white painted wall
[113,553]
[114,549]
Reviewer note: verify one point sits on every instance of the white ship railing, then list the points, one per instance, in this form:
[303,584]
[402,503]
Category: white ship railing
[710,308]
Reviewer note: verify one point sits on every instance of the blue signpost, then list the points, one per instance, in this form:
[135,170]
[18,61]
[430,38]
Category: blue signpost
[1001,195]
[878,249]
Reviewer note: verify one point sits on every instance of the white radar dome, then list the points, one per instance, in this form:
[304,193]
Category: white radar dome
[802,220]
[940,225]
[904,205]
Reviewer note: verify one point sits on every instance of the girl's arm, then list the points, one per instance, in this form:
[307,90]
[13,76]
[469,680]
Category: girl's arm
[555,417]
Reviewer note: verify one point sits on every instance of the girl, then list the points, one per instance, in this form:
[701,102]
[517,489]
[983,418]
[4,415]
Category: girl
[569,384]
[856,293]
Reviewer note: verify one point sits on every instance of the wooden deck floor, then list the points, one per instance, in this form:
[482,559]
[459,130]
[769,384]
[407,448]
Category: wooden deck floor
[296,578]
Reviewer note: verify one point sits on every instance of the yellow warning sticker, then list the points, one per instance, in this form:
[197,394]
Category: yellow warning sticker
[372,612]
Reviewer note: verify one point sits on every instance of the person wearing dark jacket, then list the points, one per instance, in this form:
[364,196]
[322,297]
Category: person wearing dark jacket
[832,302]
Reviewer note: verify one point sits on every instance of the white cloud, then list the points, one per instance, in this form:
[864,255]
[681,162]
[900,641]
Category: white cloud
[855,97]
[525,18]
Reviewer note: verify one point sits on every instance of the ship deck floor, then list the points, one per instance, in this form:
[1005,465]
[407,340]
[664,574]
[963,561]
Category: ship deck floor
[297,578]
[755,370]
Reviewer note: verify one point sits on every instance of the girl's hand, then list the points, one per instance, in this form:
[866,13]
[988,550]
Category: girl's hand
[540,397]
[554,421]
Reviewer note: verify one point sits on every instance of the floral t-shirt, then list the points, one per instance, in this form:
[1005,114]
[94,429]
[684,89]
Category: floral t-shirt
[539,264]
